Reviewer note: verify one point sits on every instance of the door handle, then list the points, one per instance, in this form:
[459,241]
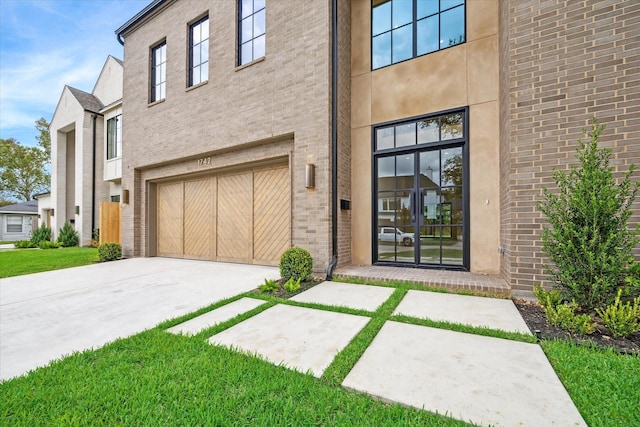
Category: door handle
[412,206]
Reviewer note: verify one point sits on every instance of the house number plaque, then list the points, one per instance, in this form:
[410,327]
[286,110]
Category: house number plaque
[204,161]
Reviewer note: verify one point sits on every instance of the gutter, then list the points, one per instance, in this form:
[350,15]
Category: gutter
[334,140]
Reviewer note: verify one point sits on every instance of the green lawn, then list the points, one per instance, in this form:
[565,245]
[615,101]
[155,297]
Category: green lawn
[16,262]
[157,378]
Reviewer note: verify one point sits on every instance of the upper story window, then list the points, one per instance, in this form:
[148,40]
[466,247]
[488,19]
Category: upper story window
[114,137]
[251,30]
[404,29]
[199,51]
[159,72]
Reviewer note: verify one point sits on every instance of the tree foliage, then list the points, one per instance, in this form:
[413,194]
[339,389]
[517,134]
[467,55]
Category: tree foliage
[23,169]
[589,242]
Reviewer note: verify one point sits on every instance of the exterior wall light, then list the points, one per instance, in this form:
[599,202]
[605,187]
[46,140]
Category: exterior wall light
[125,197]
[310,175]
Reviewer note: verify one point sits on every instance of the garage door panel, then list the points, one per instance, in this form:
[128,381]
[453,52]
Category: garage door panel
[234,231]
[198,218]
[170,219]
[271,211]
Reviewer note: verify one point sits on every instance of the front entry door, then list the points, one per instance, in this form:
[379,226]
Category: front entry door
[420,205]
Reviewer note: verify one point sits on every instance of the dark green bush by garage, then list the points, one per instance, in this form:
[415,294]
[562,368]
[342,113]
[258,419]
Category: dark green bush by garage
[110,251]
[68,236]
[296,263]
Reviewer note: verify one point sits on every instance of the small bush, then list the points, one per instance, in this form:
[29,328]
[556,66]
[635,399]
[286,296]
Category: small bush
[45,244]
[292,285]
[24,244]
[41,234]
[269,286]
[67,236]
[564,316]
[546,299]
[110,251]
[621,319]
[296,263]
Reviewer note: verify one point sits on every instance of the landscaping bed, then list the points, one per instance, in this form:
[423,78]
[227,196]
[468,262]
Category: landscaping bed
[535,318]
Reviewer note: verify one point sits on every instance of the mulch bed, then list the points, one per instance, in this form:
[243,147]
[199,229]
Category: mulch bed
[534,317]
[282,293]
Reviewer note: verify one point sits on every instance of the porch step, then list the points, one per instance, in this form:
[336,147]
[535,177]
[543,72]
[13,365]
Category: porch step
[450,280]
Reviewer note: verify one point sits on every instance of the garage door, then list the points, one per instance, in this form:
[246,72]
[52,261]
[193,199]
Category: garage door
[238,217]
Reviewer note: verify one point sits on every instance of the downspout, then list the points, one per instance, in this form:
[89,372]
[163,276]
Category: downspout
[334,139]
[93,180]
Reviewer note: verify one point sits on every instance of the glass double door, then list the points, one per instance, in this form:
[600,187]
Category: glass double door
[419,209]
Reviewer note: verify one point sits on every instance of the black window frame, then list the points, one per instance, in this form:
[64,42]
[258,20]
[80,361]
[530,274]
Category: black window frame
[414,25]
[191,65]
[153,66]
[240,61]
[463,142]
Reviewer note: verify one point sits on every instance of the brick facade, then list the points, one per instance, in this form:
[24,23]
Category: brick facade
[559,67]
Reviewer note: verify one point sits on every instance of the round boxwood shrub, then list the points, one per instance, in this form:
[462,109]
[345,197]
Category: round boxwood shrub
[110,251]
[67,236]
[296,263]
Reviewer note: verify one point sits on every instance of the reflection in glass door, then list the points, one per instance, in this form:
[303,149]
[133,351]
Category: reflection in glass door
[420,193]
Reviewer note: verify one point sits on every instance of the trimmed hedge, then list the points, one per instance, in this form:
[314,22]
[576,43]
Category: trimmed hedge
[296,263]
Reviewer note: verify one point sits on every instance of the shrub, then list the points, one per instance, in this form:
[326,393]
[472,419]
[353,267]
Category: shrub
[24,244]
[564,316]
[589,243]
[621,319]
[46,244]
[296,263]
[67,236]
[110,251]
[292,285]
[95,238]
[546,299]
[41,234]
[269,286]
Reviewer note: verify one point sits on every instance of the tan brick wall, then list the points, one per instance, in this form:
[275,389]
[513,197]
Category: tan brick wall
[285,94]
[563,62]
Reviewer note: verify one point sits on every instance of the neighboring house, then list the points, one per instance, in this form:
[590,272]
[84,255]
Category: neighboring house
[443,119]
[86,153]
[45,211]
[17,221]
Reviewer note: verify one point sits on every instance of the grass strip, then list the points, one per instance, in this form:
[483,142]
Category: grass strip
[458,327]
[604,384]
[156,378]
[16,262]
[346,359]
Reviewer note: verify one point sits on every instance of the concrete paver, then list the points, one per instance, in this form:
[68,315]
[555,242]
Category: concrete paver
[45,316]
[363,297]
[470,377]
[471,310]
[219,315]
[299,338]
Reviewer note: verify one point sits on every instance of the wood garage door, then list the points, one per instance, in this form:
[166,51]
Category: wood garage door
[238,217]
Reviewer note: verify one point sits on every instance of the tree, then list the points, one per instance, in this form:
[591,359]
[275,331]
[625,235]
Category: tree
[589,242]
[22,170]
[44,139]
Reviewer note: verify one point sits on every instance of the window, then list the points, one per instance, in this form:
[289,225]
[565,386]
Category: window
[251,30]
[199,51]
[404,29]
[115,198]
[114,137]
[159,72]
[14,224]
[421,189]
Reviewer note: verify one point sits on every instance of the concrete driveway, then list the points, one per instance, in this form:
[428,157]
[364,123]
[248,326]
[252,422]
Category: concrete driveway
[45,316]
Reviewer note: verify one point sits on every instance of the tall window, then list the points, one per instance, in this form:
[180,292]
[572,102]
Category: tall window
[114,137]
[251,30]
[199,51]
[159,72]
[404,29]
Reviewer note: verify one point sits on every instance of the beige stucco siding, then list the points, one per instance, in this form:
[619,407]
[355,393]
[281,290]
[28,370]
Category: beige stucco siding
[463,75]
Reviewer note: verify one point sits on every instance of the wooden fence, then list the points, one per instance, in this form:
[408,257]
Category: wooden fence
[110,213]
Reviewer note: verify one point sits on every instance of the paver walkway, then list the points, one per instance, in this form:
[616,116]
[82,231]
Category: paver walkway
[474,378]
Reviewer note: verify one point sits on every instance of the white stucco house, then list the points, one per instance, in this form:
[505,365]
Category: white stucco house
[86,150]
[17,221]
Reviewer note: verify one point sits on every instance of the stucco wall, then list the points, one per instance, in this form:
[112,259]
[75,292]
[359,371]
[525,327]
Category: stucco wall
[463,75]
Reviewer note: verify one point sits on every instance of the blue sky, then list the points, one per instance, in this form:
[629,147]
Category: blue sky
[45,44]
